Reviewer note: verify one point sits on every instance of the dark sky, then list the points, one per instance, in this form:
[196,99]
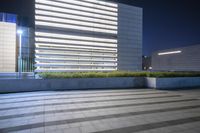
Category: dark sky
[167,23]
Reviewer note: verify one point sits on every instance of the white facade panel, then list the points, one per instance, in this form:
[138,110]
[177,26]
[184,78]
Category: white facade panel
[7,47]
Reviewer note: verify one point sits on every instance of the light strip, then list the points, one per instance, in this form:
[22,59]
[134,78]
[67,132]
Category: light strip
[75,22]
[171,52]
[72,46]
[71,59]
[82,3]
[102,3]
[72,70]
[70,49]
[40,39]
[68,16]
[69,11]
[71,37]
[76,7]
[75,53]
[74,27]
[70,64]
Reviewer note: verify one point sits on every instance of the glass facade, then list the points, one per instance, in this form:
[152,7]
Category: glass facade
[28,48]
[6,17]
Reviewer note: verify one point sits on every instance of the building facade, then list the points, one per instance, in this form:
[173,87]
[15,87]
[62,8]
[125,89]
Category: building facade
[87,35]
[178,59]
[8,58]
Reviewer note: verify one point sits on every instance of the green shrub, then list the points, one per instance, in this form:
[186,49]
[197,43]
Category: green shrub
[61,75]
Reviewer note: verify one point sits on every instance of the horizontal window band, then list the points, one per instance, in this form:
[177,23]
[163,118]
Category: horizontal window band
[78,48]
[68,26]
[76,54]
[69,45]
[72,55]
[62,41]
[38,45]
[75,60]
[77,32]
[73,50]
[75,22]
[64,45]
[65,64]
[76,7]
[72,70]
[75,17]
[38,11]
[77,67]
[78,12]
[75,37]
[101,2]
[90,5]
[66,40]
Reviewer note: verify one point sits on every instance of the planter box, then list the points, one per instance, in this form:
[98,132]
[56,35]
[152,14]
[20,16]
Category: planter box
[173,83]
[24,85]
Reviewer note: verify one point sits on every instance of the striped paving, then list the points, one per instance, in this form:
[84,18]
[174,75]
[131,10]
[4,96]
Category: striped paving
[106,111]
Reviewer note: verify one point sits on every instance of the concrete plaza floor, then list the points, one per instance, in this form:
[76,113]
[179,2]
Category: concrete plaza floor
[106,111]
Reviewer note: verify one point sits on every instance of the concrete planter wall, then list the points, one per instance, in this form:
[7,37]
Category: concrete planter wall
[16,85]
[173,83]
[23,85]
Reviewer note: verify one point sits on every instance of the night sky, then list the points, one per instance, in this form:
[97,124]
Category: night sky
[167,23]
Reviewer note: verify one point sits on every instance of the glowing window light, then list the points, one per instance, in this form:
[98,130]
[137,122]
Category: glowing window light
[102,3]
[76,7]
[74,64]
[50,24]
[49,51]
[73,46]
[74,59]
[45,7]
[82,3]
[73,54]
[64,36]
[171,52]
[71,49]
[72,70]
[68,16]
[39,39]
[53,19]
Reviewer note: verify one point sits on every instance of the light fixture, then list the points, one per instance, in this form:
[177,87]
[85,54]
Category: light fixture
[20,32]
[171,52]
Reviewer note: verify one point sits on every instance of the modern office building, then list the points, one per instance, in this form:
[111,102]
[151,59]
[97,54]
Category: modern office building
[177,59]
[8,58]
[87,35]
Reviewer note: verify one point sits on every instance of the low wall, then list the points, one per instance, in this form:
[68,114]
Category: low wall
[173,83]
[23,85]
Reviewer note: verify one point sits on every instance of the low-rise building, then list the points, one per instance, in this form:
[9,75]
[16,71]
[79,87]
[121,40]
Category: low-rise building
[177,59]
